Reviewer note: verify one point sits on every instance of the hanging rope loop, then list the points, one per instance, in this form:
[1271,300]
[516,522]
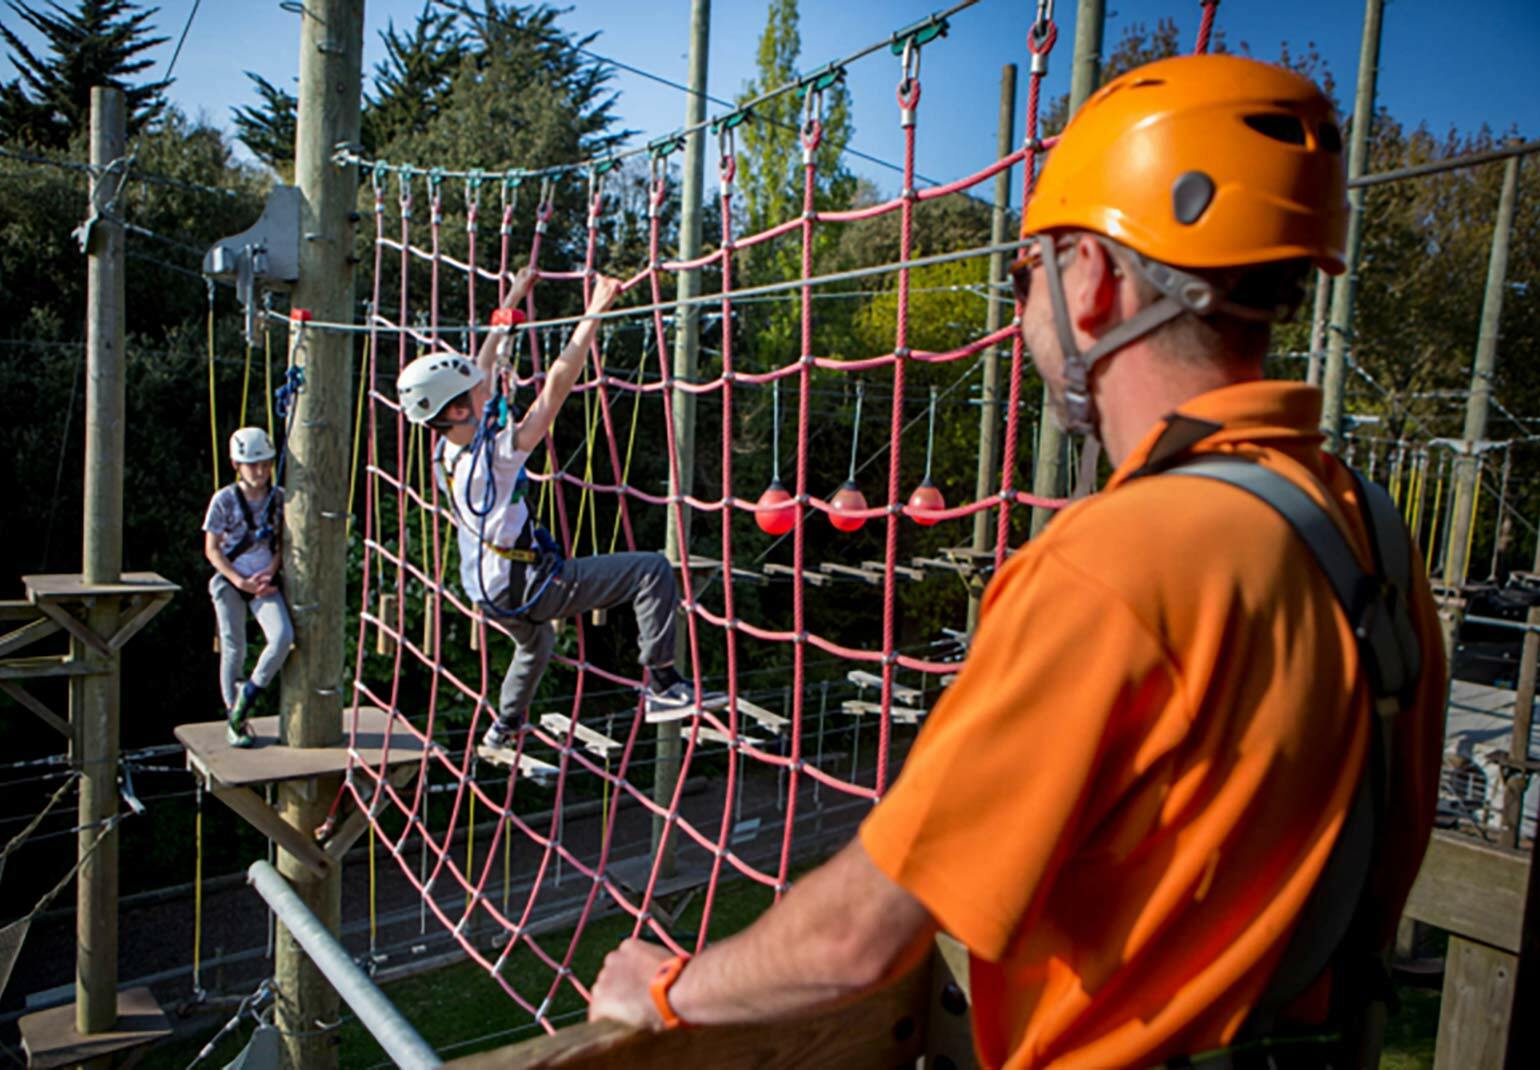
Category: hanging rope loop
[812,122]
[909,82]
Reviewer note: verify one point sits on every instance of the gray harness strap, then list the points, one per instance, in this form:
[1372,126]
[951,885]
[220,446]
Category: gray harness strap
[1378,607]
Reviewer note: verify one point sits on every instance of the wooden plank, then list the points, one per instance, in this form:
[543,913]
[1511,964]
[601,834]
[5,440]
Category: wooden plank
[17,609]
[900,714]
[44,665]
[715,735]
[357,822]
[29,633]
[950,1033]
[907,572]
[1476,1010]
[713,564]
[72,587]
[774,722]
[834,568]
[812,579]
[267,761]
[593,741]
[50,1039]
[265,820]
[911,696]
[1471,888]
[881,1030]
[37,706]
[529,766]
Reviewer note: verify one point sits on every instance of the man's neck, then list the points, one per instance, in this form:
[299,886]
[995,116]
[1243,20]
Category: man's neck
[1139,388]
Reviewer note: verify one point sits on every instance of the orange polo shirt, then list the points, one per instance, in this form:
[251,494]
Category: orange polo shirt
[1122,803]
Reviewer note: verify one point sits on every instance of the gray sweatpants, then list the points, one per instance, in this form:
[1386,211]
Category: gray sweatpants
[581,584]
[271,613]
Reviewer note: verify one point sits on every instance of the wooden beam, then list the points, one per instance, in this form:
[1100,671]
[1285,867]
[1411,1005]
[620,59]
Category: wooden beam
[265,820]
[76,627]
[36,705]
[139,617]
[44,665]
[1473,889]
[949,1038]
[1477,1007]
[881,1030]
[39,628]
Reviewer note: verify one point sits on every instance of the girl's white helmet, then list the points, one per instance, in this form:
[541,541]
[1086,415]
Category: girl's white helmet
[250,445]
[429,383]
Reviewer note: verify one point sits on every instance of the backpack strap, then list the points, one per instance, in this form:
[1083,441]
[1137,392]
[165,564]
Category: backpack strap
[1377,604]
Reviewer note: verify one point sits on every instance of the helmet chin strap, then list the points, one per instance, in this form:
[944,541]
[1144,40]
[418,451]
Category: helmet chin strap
[1080,417]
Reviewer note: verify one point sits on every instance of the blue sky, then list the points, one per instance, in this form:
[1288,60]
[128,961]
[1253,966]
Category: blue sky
[1441,63]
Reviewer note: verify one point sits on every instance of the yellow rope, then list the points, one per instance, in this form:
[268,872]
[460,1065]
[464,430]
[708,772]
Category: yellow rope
[267,375]
[470,850]
[246,383]
[373,902]
[1475,511]
[1438,501]
[1395,477]
[213,411]
[1414,510]
[358,432]
[198,896]
[625,472]
[591,419]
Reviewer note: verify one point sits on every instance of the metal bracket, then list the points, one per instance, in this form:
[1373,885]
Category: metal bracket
[264,257]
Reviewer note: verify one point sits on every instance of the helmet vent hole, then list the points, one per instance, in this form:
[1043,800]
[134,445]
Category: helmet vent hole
[1147,83]
[1279,127]
[1330,137]
[1190,196]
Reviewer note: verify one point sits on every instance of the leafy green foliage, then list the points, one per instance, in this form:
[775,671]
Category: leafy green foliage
[268,129]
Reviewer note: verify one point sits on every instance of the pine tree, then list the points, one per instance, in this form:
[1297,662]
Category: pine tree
[268,129]
[95,44]
[411,82]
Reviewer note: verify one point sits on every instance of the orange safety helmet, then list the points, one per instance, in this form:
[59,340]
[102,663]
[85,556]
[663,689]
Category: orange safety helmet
[1202,161]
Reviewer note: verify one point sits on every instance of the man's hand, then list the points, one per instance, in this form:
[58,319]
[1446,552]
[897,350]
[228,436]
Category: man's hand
[523,282]
[621,993]
[606,289]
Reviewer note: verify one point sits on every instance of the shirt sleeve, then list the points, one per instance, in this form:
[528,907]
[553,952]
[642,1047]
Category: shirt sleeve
[217,518]
[1001,781]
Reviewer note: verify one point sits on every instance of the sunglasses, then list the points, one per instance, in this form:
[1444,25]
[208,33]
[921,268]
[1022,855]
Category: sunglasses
[1032,258]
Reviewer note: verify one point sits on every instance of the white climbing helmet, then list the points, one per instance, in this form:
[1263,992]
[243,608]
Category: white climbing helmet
[250,445]
[429,383]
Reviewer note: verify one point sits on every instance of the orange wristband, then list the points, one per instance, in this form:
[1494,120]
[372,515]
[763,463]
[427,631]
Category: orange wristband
[661,982]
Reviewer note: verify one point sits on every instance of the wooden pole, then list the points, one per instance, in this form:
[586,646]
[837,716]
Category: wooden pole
[1318,328]
[94,699]
[686,359]
[1085,76]
[315,544]
[989,411]
[1467,464]
[1345,288]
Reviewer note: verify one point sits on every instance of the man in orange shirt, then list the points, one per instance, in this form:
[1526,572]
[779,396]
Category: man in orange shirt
[1166,721]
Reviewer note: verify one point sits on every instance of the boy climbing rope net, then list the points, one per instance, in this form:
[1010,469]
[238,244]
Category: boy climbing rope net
[510,565]
[241,532]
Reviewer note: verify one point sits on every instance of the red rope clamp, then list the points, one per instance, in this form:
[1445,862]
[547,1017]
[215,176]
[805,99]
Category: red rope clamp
[547,205]
[595,194]
[812,123]
[404,191]
[377,182]
[1041,38]
[472,200]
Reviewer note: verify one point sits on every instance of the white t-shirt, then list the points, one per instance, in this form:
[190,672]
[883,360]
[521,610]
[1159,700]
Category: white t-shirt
[483,574]
[226,519]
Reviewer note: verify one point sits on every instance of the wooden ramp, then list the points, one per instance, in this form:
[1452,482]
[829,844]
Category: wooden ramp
[50,1039]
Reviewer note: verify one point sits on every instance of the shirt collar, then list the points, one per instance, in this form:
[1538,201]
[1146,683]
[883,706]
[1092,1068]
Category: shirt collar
[1280,415]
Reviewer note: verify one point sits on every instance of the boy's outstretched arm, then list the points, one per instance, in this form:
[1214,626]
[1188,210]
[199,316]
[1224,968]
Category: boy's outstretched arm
[564,370]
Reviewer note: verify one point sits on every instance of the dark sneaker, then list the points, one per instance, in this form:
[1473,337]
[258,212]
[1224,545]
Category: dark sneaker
[677,701]
[497,739]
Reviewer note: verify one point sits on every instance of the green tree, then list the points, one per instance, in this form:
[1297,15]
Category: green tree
[100,42]
[268,129]
[412,81]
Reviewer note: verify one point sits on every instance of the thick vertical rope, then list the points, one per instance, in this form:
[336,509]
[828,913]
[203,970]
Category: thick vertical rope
[1040,41]
[1206,26]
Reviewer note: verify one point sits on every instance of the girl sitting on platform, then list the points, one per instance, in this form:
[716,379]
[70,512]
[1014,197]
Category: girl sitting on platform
[240,540]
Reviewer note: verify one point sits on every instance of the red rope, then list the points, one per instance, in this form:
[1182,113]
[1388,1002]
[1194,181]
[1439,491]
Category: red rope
[1206,27]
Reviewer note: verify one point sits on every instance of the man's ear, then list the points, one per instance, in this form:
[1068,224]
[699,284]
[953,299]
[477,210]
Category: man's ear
[1091,285]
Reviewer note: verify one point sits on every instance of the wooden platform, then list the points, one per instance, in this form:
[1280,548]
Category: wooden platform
[900,714]
[534,768]
[267,761]
[50,1040]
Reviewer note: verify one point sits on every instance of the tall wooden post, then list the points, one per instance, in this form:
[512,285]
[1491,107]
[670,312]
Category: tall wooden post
[315,544]
[989,411]
[1467,464]
[94,698]
[1085,76]
[1318,328]
[686,360]
[1344,290]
